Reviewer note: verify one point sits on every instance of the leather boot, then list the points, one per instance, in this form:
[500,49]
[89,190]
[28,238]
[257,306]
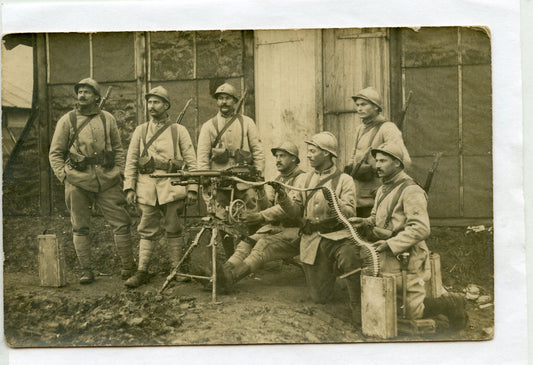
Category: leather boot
[123,243]
[82,245]
[242,251]
[235,273]
[176,246]
[452,305]
[146,248]
[353,283]
[140,278]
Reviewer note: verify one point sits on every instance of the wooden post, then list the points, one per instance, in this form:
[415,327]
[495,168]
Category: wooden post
[40,101]
[51,261]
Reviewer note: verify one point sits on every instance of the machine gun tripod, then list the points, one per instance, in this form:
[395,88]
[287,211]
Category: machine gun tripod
[206,257]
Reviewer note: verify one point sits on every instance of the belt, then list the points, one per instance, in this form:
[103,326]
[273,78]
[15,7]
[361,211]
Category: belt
[325,226]
[95,159]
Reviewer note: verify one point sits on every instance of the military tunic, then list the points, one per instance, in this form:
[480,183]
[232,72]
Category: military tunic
[98,185]
[157,195]
[365,138]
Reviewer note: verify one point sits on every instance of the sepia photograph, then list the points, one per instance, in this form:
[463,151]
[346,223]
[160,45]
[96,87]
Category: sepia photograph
[282,186]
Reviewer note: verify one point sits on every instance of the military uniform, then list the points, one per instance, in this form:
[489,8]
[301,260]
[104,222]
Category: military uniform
[278,239]
[241,135]
[94,183]
[157,196]
[323,258]
[371,134]
[410,223]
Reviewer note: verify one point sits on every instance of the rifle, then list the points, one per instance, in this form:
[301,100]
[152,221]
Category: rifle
[432,171]
[241,102]
[404,111]
[182,114]
[104,99]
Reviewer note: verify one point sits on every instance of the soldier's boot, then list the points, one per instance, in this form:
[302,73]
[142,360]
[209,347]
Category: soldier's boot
[146,248]
[353,283]
[233,274]
[176,246]
[125,252]
[452,305]
[242,251]
[82,245]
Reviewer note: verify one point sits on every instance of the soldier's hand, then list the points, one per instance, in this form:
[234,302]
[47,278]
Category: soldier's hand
[253,218]
[131,197]
[381,246]
[192,197]
[356,221]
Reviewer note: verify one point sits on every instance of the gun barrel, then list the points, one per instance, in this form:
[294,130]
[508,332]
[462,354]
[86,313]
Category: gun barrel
[190,174]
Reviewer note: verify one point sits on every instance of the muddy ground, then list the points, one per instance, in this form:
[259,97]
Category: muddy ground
[272,306]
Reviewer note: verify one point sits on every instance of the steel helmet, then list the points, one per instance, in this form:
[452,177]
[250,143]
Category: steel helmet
[288,147]
[395,150]
[325,141]
[160,92]
[369,94]
[88,82]
[228,90]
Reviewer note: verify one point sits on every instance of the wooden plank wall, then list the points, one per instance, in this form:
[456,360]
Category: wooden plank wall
[287,63]
[353,59]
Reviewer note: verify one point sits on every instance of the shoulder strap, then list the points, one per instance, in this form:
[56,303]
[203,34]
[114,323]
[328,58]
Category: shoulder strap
[228,124]
[74,124]
[154,137]
[374,133]
[335,177]
[403,184]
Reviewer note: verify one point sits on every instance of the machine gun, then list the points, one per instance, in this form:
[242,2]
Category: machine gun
[203,177]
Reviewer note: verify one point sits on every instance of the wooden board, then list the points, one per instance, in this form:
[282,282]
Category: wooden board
[51,261]
[434,288]
[378,306]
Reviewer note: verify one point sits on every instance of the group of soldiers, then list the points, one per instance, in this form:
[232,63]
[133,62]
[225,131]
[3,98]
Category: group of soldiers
[373,193]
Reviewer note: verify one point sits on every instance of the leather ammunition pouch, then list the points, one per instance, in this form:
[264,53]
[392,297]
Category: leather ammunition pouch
[108,159]
[243,157]
[146,165]
[220,155]
[77,161]
[325,226]
[365,173]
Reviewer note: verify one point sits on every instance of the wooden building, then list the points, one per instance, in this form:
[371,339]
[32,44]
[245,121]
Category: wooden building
[300,82]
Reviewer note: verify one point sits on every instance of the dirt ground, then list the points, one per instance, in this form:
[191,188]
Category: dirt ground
[270,307]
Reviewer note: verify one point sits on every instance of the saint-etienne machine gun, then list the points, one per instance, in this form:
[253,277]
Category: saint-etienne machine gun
[213,181]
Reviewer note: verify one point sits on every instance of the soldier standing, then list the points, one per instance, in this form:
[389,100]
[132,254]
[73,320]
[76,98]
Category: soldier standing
[158,146]
[227,140]
[86,155]
[399,223]
[278,237]
[373,131]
